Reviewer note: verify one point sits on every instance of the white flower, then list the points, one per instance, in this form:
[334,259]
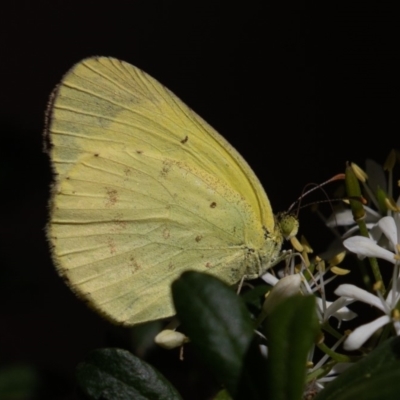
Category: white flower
[344,218]
[286,287]
[366,247]
[361,334]
[325,309]
[337,309]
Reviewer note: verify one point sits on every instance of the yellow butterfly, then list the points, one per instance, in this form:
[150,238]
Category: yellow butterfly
[144,190]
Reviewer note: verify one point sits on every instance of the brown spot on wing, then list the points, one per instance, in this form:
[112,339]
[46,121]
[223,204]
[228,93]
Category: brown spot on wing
[119,224]
[183,141]
[135,266]
[165,168]
[112,197]
[213,204]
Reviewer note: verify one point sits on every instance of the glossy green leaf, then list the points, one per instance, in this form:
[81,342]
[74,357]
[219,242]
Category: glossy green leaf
[291,329]
[218,324]
[255,297]
[116,374]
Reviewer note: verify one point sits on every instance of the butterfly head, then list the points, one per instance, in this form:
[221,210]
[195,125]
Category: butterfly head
[288,224]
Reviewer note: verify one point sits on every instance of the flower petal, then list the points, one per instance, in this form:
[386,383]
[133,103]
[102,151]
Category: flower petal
[396,218]
[288,286]
[338,309]
[361,334]
[340,218]
[354,292]
[366,247]
[388,227]
[396,325]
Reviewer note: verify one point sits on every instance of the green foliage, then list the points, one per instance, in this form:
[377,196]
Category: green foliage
[291,329]
[222,332]
[116,374]
[375,377]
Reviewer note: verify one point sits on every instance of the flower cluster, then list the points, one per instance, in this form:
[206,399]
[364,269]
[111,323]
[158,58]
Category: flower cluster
[372,232]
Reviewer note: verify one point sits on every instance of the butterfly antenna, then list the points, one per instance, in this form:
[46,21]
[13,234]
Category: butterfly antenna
[315,187]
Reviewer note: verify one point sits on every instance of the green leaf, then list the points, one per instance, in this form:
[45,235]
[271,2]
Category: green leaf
[375,377]
[291,329]
[116,374]
[256,296]
[218,325]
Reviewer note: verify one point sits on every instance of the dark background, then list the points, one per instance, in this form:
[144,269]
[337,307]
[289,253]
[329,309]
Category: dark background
[298,95]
